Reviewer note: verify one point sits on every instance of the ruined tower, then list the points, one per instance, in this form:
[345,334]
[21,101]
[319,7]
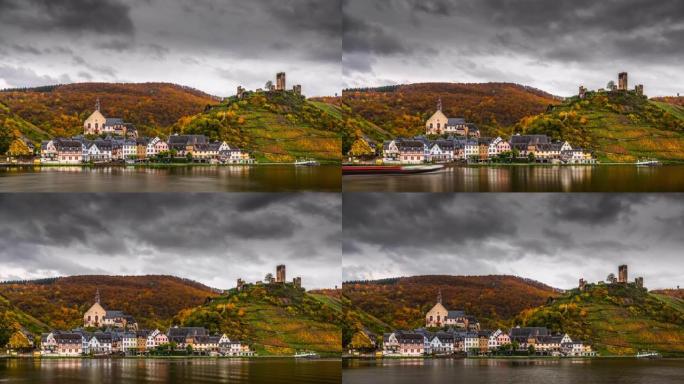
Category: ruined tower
[297,282]
[582,284]
[240,92]
[639,281]
[280,274]
[280,81]
[622,274]
[240,284]
[297,89]
[639,89]
[582,91]
[622,81]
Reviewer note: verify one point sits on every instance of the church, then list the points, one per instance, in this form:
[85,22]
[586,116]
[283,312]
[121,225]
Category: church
[440,124]
[99,317]
[97,124]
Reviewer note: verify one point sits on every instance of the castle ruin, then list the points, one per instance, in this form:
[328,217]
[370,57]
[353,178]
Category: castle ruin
[280,273]
[280,81]
[622,81]
[622,274]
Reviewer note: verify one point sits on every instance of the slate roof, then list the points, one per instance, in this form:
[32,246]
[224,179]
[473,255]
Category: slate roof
[109,121]
[453,121]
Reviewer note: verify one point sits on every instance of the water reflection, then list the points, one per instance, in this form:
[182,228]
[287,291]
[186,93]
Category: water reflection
[265,178]
[598,178]
[180,370]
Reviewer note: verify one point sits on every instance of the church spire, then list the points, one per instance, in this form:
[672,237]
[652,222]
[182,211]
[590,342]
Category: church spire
[97,104]
[439,297]
[439,104]
[97,296]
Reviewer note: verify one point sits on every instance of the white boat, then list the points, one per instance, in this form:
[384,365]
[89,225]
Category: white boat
[306,162]
[648,162]
[648,355]
[306,355]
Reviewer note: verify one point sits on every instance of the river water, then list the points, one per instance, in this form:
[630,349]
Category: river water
[518,371]
[106,371]
[260,178]
[521,178]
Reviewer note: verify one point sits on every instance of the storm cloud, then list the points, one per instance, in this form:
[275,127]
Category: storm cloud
[553,238]
[554,47]
[212,45]
[211,238]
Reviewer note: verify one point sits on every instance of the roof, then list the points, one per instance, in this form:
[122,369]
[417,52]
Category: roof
[113,121]
[455,121]
[529,139]
[529,331]
[455,314]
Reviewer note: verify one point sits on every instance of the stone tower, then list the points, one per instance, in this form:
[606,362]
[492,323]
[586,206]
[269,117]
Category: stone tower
[297,282]
[582,91]
[622,81]
[639,89]
[297,89]
[240,92]
[622,274]
[280,274]
[639,281]
[240,284]
[582,284]
[280,81]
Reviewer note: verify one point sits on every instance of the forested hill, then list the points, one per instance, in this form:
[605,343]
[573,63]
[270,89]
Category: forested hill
[616,319]
[273,126]
[274,319]
[60,110]
[402,110]
[403,302]
[60,302]
[617,126]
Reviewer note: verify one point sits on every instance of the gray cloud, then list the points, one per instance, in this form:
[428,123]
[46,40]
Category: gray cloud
[212,238]
[555,47]
[180,41]
[553,238]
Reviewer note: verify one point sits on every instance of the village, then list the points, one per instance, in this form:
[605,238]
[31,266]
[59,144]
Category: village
[107,332]
[453,139]
[455,333]
[449,140]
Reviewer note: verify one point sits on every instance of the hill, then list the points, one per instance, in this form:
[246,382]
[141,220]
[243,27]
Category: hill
[13,126]
[13,319]
[615,319]
[403,109]
[61,302]
[617,126]
[274,126]
[60,110]
[402,302]
[676,293]
[274,319]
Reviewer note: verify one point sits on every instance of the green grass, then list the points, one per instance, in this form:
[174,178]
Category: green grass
[616,320]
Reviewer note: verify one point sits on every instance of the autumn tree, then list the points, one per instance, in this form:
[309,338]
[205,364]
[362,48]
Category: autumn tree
[18,148]
[360,148]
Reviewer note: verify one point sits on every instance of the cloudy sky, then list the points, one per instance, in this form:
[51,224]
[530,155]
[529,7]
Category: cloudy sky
[212,45]
[211,238]
[551,45]
[552,238]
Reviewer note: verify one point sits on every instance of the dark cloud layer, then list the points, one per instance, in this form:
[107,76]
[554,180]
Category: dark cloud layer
[511,39]
[185,41]
[213,238]
[554,238]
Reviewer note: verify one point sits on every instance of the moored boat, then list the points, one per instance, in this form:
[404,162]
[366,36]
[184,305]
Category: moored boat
[648,355]
[306,355]
[306,163]
[648,162]
[389,169]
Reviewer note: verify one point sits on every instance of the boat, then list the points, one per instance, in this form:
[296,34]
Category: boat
[648,162]
[306,355]
[389,169]
[648,355]
[306,163]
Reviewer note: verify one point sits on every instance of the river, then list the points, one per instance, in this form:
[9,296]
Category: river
[521,178]
[258,178]
[105,371]
[514,371]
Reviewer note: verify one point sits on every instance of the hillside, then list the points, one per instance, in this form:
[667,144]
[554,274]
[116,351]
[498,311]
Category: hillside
[402,303]
[402,110]
[273,126]
[274,319]
[60,110]
[13,126]
[615,319]
[61,302]
[13,319]
[618,127]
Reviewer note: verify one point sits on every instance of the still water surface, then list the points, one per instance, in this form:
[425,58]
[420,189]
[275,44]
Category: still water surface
[598,178]
[106,371]
[528,371]
[262,178]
